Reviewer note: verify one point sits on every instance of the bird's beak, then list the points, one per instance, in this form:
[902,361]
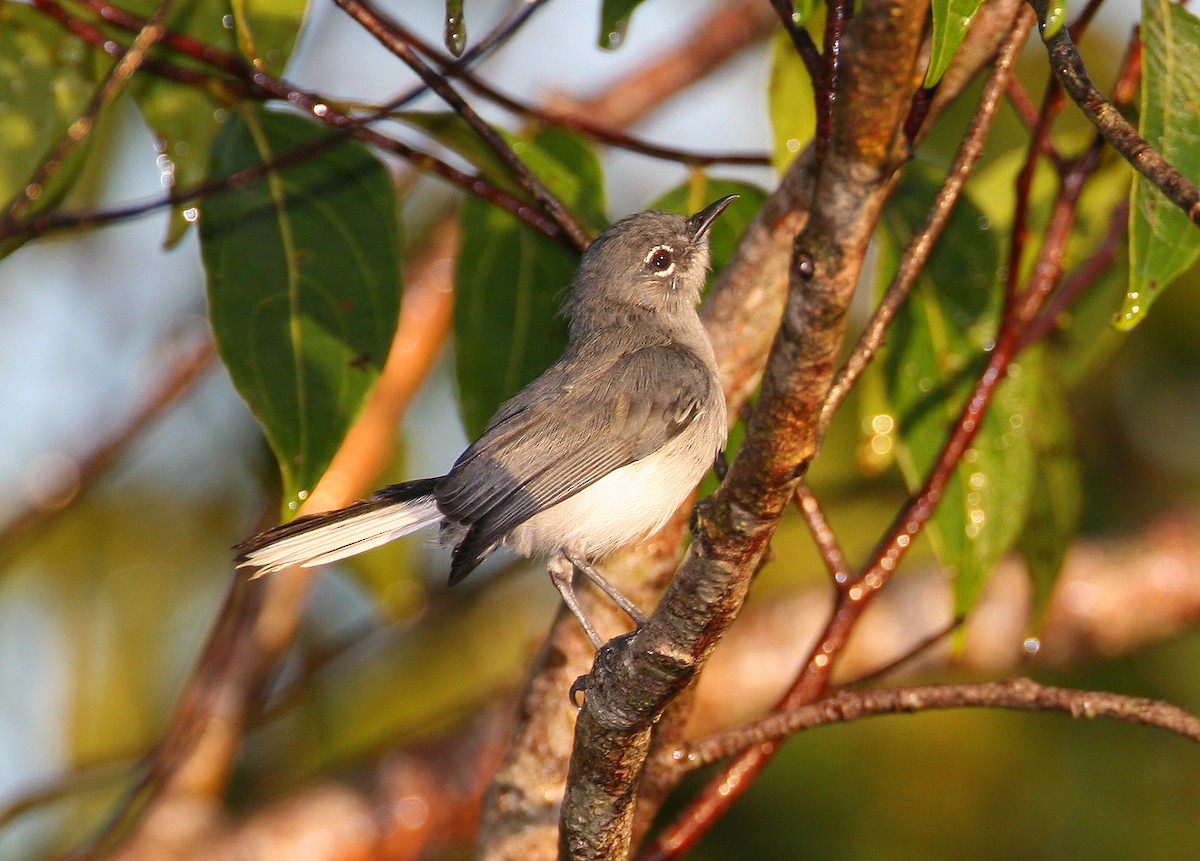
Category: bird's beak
[703,220]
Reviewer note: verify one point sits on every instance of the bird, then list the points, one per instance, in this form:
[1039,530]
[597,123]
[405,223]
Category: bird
[593,456]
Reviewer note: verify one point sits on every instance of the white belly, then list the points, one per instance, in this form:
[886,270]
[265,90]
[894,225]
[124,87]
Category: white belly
[628,504]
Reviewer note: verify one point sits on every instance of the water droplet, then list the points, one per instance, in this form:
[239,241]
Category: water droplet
[227,22]
[793,145]
[1032,646]
[456,34]
[320,110]
[191,214]
[615,37]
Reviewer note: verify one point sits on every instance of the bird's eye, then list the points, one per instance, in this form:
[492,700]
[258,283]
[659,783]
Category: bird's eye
[661,259]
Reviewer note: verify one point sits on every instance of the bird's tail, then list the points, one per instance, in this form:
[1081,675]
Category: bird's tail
[320,538]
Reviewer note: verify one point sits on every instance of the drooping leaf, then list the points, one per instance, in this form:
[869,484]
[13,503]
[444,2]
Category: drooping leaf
[1163,243]
[511,280]
[187,118]
[935,351]
[951,18]
[691,197]
[1057,498]
[614,21]
[303,285]
[47,77]
[790,103]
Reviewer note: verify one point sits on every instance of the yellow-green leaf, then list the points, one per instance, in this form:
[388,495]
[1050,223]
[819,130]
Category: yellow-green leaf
[951,19]
[790,102]
[1163,243]
[47,77]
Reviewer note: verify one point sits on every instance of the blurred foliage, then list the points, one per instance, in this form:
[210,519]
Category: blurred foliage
[102,613]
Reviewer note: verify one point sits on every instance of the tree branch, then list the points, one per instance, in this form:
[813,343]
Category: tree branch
[634,679]
[393,37]
[1069,69]
[1017,694]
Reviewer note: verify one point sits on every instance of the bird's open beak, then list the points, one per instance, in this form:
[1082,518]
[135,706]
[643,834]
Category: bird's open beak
[703,220]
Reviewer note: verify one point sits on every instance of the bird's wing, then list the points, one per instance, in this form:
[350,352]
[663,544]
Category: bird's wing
[551,443]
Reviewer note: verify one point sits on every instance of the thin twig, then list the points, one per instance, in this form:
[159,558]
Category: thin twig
[823,535]
[1140,153]
[82,127]
[392,37]
[264,84]
[803,42]
[1019,694]
[919,249]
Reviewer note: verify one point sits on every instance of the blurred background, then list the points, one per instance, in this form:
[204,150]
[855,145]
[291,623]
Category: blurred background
[109,588]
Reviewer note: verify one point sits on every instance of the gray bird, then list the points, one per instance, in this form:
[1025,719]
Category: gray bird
[594,455]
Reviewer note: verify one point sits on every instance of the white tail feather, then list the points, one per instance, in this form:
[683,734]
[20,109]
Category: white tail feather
[340,538]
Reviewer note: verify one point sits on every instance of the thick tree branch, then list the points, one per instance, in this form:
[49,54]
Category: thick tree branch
[634,679]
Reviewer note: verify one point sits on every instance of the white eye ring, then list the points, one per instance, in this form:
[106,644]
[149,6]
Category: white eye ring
[660,260]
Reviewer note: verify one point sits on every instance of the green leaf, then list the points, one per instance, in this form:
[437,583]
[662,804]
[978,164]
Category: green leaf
[303,285]
[935,351]
[185,118]
[727,230]
[1163,243]
[510,280]
[47,77]
[951,18]
[790,102]
[614,21]
[1056,503]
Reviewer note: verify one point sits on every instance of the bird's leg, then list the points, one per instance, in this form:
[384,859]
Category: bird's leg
[562,570]
[562,575]
[631,610]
